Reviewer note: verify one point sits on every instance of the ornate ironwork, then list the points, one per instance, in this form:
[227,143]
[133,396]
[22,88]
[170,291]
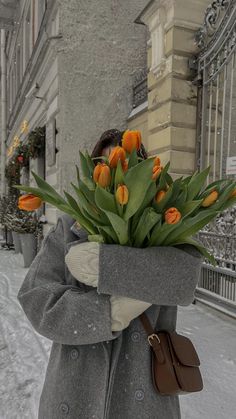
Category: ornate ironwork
[220,237]
[216,125]
[211,21]
[140,88]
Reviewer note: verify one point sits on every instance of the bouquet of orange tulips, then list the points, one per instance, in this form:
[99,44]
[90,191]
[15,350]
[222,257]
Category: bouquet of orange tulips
[130,201]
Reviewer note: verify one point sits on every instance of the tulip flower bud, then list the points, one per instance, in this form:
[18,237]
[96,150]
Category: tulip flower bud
[210,199]
[172,216]
[102,175]
[157,161]
[29,202]
[156,172]
[160,195]
[131,140]
[125,165]
[122,194]
[233,193]
[118,153]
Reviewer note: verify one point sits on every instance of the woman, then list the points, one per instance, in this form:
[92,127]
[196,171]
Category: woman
[86,297]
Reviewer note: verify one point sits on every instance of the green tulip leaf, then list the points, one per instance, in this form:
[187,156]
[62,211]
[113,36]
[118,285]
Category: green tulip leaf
[154,236]
[133,159]
[110,232]
[147,221]
[119,175]
[223,197]
[191,226]
[105,200]
[45,187]
[141,174]
[196,183]
[120,227]
[189,207]
[199,247]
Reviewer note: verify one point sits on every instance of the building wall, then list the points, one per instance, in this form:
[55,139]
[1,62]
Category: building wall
[38,64]
[85,76]
[101,50]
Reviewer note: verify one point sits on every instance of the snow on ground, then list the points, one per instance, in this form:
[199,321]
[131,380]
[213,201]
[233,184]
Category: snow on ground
[214,337]
[24,354]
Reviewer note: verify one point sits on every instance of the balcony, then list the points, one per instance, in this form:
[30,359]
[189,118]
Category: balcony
[7,13]
[140,89]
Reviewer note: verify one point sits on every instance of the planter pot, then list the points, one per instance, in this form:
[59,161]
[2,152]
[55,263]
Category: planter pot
[9,238]
[29,248]
[2,233]
[17,242]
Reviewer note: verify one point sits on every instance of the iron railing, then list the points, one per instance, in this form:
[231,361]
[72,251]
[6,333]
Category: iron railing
[140,89]
[216,141]
[216,70]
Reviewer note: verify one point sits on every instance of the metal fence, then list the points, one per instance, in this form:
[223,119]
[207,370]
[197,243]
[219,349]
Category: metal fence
[216,71]
[216,144]
[218,283]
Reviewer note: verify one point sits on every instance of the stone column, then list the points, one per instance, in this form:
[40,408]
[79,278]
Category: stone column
[172,98]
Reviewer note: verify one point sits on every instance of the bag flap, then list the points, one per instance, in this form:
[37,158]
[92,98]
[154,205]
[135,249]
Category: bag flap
[184,350]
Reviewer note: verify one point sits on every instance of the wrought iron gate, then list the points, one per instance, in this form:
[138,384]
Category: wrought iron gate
[216,142]
[216,69]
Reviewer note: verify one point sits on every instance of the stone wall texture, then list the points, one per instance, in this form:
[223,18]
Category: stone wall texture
[100,52]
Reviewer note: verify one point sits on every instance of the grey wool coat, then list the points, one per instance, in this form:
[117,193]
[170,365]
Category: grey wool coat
[94,373]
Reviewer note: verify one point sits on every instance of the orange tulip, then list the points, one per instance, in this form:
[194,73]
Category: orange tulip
[160,195]
[102,175]
[131,140]
[157,161]
[156,172]
[125,165]
[122,194]
[172,216]
[29,202]
[210,199]
[233,193]
[118,153]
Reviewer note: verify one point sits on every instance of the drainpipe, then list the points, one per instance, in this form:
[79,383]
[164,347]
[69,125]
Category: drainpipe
[3,111]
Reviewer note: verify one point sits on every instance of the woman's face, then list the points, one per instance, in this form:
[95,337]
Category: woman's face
[107,150]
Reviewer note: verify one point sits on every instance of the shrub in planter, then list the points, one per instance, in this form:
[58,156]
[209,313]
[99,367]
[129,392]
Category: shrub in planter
[22,155]
[36,142]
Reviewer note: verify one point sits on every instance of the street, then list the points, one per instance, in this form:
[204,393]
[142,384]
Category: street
[24,354]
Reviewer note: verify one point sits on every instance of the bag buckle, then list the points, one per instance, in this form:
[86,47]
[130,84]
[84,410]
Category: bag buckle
[150,337]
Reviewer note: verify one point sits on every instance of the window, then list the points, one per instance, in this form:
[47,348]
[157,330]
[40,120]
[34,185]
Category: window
[27,40]
[40,7]
[18,66]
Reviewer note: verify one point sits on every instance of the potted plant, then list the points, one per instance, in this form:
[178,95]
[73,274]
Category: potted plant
[36,142]
[25,224]
[2,213]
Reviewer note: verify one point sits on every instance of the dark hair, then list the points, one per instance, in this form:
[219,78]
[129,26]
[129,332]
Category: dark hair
[113,137]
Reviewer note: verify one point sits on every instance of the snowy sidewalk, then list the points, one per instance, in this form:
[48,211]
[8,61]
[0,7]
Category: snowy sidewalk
[24,354]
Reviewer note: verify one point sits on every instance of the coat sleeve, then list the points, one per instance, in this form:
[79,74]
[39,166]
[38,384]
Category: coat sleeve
[162,275]
[63,313]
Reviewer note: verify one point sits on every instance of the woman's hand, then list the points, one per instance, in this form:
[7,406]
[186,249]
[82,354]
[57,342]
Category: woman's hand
[82,261]
[124,309]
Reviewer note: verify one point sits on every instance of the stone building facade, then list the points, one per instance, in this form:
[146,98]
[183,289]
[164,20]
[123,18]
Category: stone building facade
[83,57]
[71,67]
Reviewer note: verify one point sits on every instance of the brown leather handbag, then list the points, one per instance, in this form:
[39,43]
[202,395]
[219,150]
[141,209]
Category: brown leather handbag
[174,361]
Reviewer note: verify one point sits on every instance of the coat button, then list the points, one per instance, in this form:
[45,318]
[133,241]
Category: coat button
[135,336]
[64,408]
[74,354]
[139,395]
